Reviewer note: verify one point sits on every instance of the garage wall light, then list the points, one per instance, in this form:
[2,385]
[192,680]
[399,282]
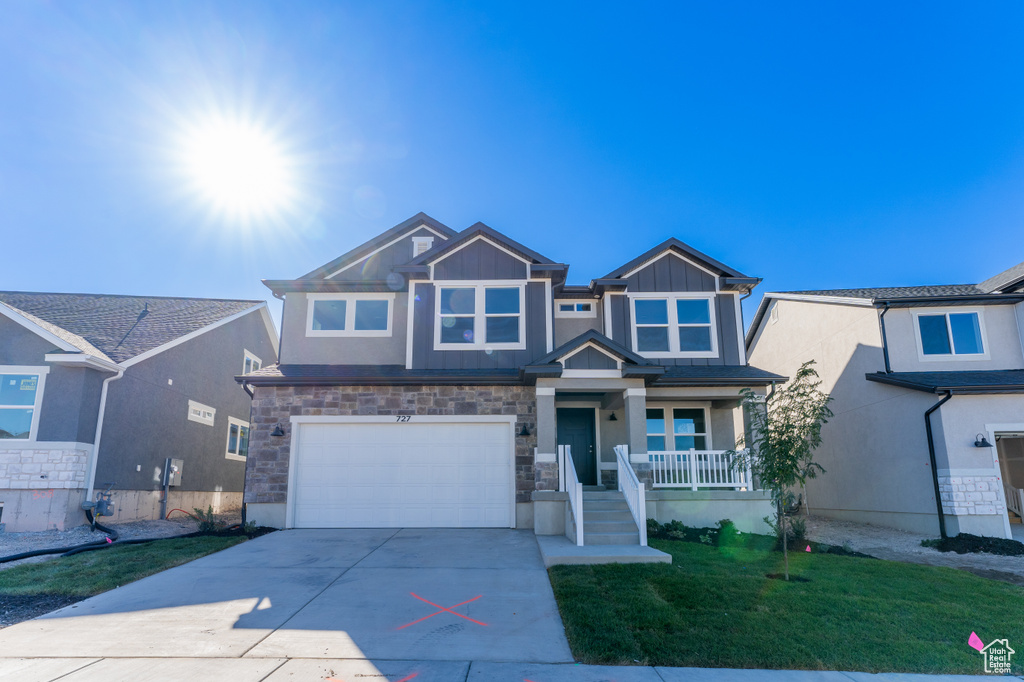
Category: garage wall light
[277,432]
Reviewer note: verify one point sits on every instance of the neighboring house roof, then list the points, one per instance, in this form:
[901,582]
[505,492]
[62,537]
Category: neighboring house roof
[978,382]
[298,375]
[365,249]
[1005,281]
[120,328]
[686,250]
[885,293]
[479,230]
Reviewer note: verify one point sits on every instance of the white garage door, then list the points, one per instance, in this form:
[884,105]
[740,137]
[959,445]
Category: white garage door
[415,474]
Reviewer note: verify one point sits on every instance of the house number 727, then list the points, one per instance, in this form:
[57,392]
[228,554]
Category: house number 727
[403,418]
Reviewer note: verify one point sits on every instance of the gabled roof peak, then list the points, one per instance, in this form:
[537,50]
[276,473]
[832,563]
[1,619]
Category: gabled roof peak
[677,246]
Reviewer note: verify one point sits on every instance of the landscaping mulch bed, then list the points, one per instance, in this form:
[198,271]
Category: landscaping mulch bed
[17,608]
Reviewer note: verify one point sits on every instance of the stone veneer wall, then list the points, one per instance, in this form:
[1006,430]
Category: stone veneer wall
[266,474]
[967,495]
[42,468]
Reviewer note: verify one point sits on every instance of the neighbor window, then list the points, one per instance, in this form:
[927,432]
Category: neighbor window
[204,414]
[674,326]
[349,315]
[251,363]
[686,429]
[575,309]
[238,439]
[950,334]
[477,317]
[21,393]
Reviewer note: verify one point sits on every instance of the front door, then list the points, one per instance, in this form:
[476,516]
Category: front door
[576,429]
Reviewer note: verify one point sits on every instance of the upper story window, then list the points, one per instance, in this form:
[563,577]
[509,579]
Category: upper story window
[950,335]
[349,314]
[21,394]
[479,317]
[674,326]
[251,363]
[575,309]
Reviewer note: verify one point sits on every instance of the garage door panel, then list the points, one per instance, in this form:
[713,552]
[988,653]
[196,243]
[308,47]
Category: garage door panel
[428,474]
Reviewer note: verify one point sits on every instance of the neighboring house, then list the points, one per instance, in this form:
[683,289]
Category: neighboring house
[429,378]
[99,391]
[928,388]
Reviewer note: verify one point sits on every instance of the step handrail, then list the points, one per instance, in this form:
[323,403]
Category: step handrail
[571,483]
[633,490]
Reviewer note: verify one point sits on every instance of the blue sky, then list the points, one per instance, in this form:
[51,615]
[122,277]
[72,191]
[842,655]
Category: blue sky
[815,145]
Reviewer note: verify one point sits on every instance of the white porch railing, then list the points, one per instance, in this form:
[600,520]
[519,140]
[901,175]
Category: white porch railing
[569,482]
[699,469]
[632,490]
[1014,499]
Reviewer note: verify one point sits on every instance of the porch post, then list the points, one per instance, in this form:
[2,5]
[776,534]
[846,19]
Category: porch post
[636,433]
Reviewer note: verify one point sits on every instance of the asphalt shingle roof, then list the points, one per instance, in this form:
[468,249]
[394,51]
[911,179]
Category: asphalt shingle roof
[377,374]
[896,292]
[982,381]
[112,326]
[738,375]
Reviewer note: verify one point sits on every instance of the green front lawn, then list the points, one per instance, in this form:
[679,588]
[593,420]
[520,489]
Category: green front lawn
[89,573]
[715,608]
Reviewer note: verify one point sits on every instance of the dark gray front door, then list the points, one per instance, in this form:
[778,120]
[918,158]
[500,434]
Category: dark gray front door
[576,429]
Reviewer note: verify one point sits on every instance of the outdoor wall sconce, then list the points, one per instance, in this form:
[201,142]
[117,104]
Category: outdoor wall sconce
[524,431]
[981,442]
[613,418]
[277,432]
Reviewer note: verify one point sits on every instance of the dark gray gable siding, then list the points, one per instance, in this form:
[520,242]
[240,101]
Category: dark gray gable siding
[425,357]
[671,273]
[590,358]
[728,340]
[481,260]
[378,266]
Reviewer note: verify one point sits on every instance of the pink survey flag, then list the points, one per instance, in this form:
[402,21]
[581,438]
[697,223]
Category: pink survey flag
[975,642]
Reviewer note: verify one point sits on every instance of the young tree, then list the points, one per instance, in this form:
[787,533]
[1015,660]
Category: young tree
[783,432]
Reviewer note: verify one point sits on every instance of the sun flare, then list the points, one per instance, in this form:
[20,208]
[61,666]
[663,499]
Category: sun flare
[238,167]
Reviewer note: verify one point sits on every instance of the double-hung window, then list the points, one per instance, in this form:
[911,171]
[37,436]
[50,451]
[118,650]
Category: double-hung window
[349,314]
[674,326]
[21,394]
[238,439]
[479,317]
[676,428]
[950,335]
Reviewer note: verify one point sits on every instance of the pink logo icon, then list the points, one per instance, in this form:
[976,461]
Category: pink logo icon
[808,548]
[975,642]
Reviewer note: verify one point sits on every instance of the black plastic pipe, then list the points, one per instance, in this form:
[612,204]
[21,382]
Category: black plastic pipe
[885,342]
[931,455]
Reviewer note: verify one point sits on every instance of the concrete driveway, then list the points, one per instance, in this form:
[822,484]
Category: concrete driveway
[424,595]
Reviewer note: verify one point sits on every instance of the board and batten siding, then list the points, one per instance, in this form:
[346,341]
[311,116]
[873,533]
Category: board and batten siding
[481,261]
[378,266]
[672,275]
[425,357]
[590,358]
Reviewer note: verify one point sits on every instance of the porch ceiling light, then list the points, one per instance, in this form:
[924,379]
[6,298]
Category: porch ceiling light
[981,442]
[277,432]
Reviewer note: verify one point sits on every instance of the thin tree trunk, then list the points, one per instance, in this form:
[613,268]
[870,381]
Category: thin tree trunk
[785,539]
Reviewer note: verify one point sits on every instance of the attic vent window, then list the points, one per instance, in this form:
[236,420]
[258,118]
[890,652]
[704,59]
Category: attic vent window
[421,245]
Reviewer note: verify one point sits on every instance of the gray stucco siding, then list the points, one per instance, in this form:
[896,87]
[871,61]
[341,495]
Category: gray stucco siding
[19,346]
[378,266]
[589,358]
[568,328]
[299,349]
[147,417]
[481,260]
[425,357]
[729,351]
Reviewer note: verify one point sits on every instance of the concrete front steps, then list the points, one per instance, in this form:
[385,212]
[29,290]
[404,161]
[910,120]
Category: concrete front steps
[607,519]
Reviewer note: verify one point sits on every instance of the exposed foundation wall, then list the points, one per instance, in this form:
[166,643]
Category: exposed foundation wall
[140,505]
[705,508]
[41,509]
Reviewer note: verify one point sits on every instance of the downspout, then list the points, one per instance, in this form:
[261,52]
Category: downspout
[743,323]
[885,342]
[931,455]
[99,432]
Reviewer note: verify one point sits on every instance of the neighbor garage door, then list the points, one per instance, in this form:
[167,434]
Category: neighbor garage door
[420,473]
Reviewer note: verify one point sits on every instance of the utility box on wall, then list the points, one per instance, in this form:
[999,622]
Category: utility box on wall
[172,472]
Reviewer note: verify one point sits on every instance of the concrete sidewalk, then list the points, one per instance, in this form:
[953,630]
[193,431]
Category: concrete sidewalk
[356,670]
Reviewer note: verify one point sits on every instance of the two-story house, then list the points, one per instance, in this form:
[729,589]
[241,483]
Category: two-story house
[928,389]
[430,378]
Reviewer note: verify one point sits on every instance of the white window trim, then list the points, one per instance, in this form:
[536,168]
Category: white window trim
[33,429]
[479,313]
[673,325]
[669,435]
[559,302]
[953,356]
[193,405]
[350,313]
[232,421]
[248,355]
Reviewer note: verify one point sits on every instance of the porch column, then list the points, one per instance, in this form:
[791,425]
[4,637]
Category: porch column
[636,433]
[547,434]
